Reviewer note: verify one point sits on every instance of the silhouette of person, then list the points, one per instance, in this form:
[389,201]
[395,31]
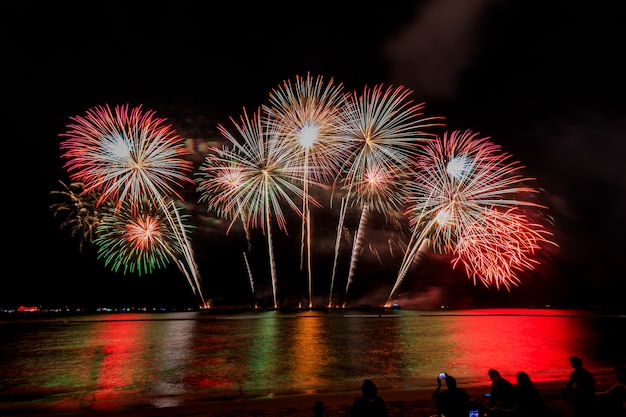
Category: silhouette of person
[453,401]
[580,389]
[503,395]
[319,410]
[530,403]
[370,404]
[612,401]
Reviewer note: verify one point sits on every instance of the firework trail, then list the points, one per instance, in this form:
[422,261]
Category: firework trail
[383,130]
[357,248]
[245,259]
[265,176]
[125,155]
[461,201]
[342,215]
[219,180]
[305,114]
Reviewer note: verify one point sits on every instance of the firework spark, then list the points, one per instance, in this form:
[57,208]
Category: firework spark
[461,201]
[259,179]
[463,196]
[138,238]
[306,115]
[383,131]
[219,180]
[502,244]
[127,155]
[82,216]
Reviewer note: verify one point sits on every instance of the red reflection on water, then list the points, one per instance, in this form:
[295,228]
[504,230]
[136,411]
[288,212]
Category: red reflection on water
[212,379]
[512,343]
[122,362]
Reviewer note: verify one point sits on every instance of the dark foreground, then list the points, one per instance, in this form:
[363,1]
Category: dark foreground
[400,404]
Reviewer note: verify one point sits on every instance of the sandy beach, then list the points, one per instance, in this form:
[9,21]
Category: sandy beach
[401,403]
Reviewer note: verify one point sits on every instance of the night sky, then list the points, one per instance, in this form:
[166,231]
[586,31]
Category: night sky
[544,82]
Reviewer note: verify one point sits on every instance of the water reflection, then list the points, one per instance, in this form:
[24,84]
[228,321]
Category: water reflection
[371,347]
[172,359]
[214,365]
[124,361]
[310,343]
[104,364]
[536,345]
[265,353]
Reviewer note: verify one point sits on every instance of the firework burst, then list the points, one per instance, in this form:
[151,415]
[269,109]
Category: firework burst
[125,154]
[306,115]
[383,131]
[128,155]
[462,202]
[219,181]
[499,246]
[80,211]
[138,238]
[252,178]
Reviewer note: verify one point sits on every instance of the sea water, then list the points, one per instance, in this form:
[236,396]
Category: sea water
[113,360]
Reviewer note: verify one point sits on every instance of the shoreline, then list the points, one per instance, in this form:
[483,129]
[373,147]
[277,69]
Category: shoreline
[400,402]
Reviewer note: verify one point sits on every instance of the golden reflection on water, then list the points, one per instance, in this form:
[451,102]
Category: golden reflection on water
[310,344]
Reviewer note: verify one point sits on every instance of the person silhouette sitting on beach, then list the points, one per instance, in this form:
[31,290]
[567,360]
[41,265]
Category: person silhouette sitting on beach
[612,401]
[530,403]
[580,389]
[503,396]
[453,401]
[319,410]
[370,404]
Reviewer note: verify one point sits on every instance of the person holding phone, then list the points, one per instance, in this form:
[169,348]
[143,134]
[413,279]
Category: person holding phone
[453,401]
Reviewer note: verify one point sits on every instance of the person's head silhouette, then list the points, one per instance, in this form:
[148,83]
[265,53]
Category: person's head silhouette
[318,409]
[523,379]
[576,362]
[450,382]
[369,389]
[494,374]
